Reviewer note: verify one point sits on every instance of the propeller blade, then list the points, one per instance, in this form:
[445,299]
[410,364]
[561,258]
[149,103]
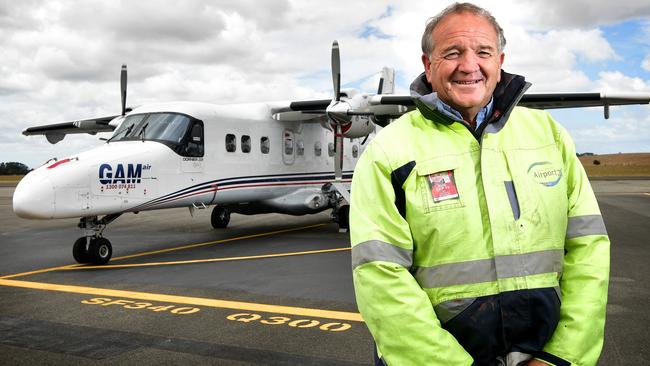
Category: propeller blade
[123,88]
[336,70]
[338,157]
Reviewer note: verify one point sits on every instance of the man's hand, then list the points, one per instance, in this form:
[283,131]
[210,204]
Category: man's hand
[535,362]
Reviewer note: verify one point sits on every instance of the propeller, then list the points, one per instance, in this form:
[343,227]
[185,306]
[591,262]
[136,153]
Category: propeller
[336,71]
[331,113]
[123,88]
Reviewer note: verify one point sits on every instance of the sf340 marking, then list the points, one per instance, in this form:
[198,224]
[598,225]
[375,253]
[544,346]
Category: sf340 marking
[136,305]
[282,320]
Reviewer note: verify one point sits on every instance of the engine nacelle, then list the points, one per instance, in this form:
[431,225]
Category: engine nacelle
[359,126]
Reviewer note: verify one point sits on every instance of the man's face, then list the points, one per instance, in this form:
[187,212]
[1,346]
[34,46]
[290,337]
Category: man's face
[465,64]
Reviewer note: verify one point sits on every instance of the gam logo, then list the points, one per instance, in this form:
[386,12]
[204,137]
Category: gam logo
[132,173]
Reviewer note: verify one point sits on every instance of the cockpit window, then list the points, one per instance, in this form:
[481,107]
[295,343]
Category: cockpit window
[174,130]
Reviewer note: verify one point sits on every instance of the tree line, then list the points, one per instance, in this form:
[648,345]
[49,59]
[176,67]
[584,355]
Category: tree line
[13,168]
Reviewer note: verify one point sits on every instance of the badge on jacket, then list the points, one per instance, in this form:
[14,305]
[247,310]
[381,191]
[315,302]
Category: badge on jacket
[442,186]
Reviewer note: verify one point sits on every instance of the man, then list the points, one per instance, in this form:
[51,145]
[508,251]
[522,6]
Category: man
[476,236]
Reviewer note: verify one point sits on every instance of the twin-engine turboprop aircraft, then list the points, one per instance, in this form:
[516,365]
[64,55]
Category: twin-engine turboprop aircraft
[286,157]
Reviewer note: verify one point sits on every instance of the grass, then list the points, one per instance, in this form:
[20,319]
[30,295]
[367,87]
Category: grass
[617,165]
[10,178]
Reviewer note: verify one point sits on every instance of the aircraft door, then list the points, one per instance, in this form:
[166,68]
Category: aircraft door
[288,147]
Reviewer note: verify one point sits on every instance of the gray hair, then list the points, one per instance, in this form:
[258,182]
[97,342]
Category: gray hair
[457,8]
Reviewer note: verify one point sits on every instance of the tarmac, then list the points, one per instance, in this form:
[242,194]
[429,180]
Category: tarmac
[269,289]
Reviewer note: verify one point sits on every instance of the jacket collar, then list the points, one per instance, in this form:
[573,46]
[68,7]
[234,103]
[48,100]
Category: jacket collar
[506,95]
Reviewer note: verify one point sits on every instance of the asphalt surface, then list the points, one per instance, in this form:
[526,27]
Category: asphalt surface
[270,289]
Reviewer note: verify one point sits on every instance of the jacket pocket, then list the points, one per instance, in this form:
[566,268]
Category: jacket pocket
[438,184]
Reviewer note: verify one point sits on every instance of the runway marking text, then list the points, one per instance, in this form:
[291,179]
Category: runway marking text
[283,320]
[129,304]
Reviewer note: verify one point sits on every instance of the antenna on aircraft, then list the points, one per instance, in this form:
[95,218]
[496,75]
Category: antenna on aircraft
[123,78]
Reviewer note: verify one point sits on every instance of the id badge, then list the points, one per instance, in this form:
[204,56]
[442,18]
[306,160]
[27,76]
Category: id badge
[442,186]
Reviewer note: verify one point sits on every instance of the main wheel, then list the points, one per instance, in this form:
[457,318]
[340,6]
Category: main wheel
[79,251]
[344,217]
[100,250]
[220,218]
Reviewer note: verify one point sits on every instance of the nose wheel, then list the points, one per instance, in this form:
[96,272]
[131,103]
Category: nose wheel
[96,250]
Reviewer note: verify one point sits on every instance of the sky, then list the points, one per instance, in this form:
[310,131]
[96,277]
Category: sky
[60,60]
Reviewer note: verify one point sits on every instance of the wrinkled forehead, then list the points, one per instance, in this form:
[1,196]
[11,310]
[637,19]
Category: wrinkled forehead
[465,28]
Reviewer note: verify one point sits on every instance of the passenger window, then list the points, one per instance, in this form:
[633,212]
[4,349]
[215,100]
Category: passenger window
[317,148]
[355,151]
[300,147]
[330,149]
[288,145]
[246,143]
[265,145]
[231,143]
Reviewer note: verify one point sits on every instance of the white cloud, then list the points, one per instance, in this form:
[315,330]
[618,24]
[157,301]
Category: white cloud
[61,60]
[645,64]
[616,81]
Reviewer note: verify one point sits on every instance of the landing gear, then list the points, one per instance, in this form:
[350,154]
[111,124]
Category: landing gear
[92,247]
[340,206]
[343,218]
[220,217]
[80,250]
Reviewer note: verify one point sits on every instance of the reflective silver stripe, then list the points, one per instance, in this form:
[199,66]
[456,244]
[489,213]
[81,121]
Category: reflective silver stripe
[447,310]
[376,250]
[512,197]
[585,225]
[487,270]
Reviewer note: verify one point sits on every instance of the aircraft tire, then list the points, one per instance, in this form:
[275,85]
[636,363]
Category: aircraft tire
[100,251]
[79,251]
[344,217]
[220,218]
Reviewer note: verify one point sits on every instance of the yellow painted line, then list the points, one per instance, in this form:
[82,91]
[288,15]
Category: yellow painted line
[216,242]
[196,301]
[227,259]
[167,250]
[40,271]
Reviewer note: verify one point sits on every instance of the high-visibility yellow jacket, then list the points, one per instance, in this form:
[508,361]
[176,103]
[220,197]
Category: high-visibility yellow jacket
[467,245]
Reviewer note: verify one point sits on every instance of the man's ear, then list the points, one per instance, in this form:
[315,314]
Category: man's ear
[501,59]
[427,65]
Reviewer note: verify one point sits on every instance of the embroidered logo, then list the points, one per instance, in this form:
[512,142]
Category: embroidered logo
[442,185]
[545,173]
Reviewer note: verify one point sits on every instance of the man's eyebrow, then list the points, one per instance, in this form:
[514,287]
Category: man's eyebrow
[486,47]
[451,48]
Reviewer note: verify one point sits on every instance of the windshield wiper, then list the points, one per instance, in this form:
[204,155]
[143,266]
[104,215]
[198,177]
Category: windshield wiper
[128,130]
[144,127]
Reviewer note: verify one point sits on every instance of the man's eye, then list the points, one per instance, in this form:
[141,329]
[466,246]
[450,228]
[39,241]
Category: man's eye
[484,54]
[451,56]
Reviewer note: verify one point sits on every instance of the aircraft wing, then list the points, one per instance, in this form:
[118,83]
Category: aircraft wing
[546,100]
[57,131]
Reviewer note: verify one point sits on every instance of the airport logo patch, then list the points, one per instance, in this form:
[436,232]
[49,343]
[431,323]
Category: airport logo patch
[545,173]
[442,186]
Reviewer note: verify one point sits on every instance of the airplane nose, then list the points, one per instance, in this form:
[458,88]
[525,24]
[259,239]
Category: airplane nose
[34,197]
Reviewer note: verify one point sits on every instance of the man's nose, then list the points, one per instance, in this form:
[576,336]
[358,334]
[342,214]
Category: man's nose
[468,63]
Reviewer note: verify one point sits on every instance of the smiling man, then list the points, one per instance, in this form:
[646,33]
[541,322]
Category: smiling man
[476,237]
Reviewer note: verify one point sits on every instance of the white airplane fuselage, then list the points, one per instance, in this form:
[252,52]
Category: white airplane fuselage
[275,166]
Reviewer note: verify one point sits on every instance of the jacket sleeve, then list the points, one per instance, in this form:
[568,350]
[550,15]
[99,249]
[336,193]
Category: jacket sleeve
[578,338]
[396,310]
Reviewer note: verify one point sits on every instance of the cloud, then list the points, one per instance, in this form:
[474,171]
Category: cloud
[61,60]
[645,64]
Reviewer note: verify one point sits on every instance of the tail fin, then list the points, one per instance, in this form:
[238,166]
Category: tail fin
[386,81]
